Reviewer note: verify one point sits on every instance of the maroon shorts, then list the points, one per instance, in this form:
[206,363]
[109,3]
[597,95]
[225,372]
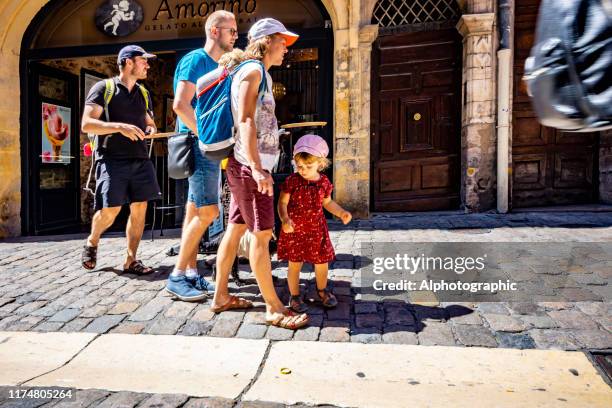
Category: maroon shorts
[248,206]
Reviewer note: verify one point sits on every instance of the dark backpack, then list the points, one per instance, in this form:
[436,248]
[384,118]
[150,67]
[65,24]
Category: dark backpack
[569,71]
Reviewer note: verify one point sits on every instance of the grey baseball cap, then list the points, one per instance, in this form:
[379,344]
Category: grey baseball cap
[269,26]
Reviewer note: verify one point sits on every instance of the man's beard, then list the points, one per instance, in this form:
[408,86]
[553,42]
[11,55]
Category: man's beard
[141,75]
[227,47]
[138,75]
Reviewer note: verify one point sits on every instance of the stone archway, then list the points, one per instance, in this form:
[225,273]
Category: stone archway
[17,16]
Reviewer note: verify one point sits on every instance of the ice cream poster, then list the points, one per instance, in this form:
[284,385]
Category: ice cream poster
[55,133]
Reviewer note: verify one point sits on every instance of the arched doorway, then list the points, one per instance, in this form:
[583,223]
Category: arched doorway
[67,46]
[416,106]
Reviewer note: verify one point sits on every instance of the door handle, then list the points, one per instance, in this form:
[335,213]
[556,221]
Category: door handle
[417,116]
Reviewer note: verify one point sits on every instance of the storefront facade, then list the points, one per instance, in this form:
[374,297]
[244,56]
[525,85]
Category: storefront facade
[412,101]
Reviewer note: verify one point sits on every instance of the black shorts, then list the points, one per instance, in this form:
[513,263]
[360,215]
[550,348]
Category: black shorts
[125,181]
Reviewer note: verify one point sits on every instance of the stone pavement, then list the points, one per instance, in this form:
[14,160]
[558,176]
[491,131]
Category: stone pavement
[44,289]
[109,399]
[127,370]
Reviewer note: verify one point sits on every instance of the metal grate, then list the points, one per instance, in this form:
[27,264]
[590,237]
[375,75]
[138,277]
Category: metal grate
[393,13]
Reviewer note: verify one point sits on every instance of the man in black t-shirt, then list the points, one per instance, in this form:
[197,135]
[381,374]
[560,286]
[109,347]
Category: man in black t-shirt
[124,173]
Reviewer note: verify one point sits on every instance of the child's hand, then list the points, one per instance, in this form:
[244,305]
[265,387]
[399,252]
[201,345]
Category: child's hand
[346,217]
[288,226]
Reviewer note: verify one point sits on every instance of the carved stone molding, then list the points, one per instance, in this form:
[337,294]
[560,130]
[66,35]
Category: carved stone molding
[368,34]
[476,24]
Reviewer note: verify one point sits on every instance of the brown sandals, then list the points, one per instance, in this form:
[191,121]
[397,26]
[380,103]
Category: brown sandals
[235,302]
[297,304]
[289,320]
[138,268]
[89,257]
[328,299]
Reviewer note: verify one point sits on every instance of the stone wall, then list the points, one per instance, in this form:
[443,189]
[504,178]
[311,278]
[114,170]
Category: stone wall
[351,143]
[16,16]
[353,40]
[478,132]
[352,138]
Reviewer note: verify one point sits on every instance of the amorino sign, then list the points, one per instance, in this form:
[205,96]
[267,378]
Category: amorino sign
[94,22]
[182,15]
[193,9]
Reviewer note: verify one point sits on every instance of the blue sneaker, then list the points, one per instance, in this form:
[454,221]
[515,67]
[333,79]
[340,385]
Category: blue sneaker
[202,284]
[182,288]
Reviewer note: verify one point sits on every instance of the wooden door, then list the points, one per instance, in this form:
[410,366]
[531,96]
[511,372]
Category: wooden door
[550,167]
[416,121]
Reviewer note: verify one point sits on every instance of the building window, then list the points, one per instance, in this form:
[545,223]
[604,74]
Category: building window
[394,13]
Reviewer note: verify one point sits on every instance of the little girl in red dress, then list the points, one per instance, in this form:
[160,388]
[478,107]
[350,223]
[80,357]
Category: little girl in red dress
[304,236]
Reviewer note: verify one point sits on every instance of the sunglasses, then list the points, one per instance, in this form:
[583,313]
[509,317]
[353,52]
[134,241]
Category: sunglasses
[232,31]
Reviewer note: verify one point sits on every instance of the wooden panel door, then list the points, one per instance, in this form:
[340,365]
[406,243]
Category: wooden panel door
[416,120]
[550,167]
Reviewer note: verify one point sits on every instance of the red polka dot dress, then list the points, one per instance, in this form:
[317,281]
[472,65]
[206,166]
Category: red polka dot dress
[310,240]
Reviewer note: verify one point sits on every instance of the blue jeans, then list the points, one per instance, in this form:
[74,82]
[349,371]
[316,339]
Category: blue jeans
[204,182]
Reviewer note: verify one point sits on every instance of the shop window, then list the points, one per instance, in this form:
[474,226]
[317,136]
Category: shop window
[53,88]
[394,13]
[296,86]
[54,177]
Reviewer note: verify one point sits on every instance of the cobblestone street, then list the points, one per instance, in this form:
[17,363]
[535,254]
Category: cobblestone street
[43,288]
